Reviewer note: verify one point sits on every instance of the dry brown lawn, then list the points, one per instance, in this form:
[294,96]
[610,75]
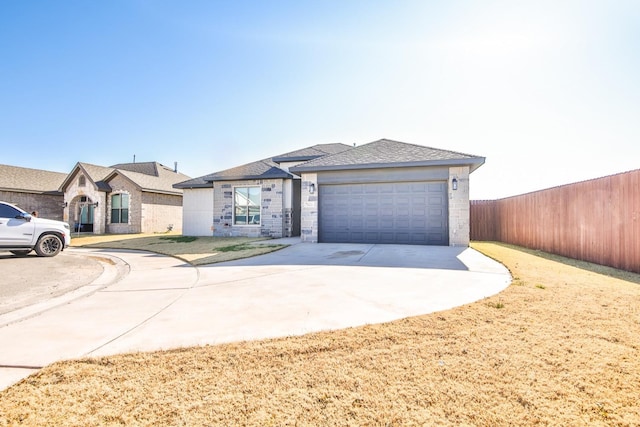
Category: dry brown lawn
[560,346]
[194,250]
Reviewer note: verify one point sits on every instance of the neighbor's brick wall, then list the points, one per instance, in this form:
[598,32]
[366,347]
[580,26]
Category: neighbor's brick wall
[272,215]
[48,206]
[161,212]
[459,207]
[121,185]
[309,216]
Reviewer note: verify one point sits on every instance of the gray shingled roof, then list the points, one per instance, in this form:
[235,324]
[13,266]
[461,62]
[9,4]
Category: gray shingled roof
[310,153]
[378,154]
[194,183]
[26,180]
[386,153]
[263,169]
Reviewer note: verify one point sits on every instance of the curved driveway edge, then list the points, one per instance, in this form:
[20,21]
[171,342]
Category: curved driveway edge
[164,303]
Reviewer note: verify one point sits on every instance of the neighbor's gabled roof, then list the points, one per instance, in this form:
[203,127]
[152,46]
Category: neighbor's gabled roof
[147,168]
[386,153]
[27,180]
[148,176]
[161,181]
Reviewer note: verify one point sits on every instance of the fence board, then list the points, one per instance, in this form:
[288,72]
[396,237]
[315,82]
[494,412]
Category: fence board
[596,220]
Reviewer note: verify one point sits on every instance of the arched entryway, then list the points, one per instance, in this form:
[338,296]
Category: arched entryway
[82,210]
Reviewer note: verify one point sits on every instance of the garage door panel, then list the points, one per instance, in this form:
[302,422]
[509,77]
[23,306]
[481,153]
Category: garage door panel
[399,212]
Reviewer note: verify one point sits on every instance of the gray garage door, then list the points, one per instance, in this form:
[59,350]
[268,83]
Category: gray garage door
[393,212]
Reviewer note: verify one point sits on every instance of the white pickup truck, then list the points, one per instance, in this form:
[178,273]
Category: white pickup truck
[20,233]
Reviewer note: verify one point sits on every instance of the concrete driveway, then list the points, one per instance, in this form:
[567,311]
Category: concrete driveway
[151,302]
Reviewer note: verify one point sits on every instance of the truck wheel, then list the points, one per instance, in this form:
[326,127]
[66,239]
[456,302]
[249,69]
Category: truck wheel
[48,245]
[21,253]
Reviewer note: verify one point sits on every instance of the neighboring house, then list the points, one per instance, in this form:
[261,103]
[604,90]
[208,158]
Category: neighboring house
[124,198]
[382,192]
[33,190]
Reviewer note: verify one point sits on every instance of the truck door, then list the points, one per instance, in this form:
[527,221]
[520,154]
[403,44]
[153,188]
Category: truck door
[14,231]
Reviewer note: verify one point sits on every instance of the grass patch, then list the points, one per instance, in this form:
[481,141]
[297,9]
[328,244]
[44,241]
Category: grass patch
[235,248]
[497,305]
[567,357]
[180,239]
[194,250]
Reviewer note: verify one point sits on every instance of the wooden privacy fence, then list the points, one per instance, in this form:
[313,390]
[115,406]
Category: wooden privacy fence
[596,220]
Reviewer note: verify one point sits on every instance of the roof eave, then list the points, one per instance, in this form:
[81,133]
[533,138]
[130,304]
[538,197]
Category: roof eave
[32,191]
[474,163]
[191,186]
[248,177]
[296,158]
[153,190]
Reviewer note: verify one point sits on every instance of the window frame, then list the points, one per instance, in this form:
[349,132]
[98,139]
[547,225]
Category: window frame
[120,209]
[247,206]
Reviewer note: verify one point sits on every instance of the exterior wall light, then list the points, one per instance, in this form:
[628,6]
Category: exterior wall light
[312,188]
[454,184]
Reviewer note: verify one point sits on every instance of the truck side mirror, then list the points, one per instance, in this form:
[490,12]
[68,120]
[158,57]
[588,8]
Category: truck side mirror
[25,216]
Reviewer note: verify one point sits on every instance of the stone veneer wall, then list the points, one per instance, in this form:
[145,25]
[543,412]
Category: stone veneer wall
[161,212]
[48,206]
[459,207]
[72,195]
[272,215]
[309,217]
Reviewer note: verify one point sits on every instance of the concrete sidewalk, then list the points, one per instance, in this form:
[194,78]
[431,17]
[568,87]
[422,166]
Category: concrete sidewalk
[163,303]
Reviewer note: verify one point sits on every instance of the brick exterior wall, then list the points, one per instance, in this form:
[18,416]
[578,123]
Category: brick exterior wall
[161,212]
[272,214]
[120,185]
[459,207]
[148,212]
[48,206]
[309,216]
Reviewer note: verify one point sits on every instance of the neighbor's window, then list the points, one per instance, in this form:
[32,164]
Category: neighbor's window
[246,203]
[120,208]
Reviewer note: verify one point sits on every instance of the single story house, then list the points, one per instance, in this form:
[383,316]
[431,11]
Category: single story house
[381,192]
[124,198]
[33,190]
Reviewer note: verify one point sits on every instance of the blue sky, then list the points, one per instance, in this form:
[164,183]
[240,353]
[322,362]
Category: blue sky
[547,91]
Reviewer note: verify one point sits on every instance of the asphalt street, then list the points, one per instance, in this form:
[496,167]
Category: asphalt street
[32,279]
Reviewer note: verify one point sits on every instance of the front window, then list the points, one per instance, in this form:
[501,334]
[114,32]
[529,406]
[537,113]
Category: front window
[120,209]
[7,211]
[246,206]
